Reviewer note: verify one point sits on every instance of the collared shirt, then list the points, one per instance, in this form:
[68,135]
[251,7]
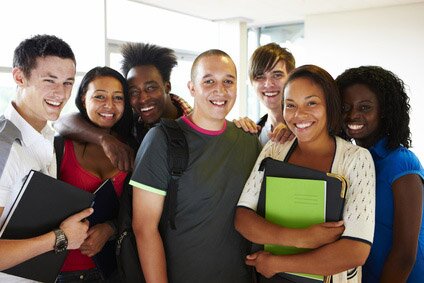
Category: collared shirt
[182,106]
[140,129]
[31,150]
[390,165]
[263,134]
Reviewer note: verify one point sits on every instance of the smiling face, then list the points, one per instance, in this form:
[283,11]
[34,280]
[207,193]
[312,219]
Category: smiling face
[361,114]
[214,88]
[269,86]
[148,92]
[305,110]
[104,101]
[45,92]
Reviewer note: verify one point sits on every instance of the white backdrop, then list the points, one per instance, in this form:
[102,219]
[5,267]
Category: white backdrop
[391,37]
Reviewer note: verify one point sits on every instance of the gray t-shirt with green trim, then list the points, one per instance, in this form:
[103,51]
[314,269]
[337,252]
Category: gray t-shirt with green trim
[205,247]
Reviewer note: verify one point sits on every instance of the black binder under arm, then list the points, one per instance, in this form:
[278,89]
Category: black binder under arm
[336,185]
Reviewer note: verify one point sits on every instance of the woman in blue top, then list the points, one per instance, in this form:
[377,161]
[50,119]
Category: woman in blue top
[376,116]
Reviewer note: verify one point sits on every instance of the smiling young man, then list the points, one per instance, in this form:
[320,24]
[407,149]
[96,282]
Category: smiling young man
[44,71]
[205,246]
[147,68]
[268,70]
[269,67]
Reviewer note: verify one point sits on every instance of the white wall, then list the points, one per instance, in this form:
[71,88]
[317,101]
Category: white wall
[391,37]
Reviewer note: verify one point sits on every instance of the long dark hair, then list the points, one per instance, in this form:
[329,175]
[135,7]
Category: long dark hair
[124,126]
[392,99]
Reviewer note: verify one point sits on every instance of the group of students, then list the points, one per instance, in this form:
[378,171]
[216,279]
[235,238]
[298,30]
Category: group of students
[311,122]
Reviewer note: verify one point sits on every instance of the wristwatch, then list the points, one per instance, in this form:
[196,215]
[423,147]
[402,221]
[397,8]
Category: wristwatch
[61,243]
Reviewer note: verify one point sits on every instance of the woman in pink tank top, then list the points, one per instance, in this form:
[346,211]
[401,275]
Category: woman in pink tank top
[103,101]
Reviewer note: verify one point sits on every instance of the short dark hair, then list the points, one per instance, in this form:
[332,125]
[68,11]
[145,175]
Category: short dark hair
[391,97]
[27,52]
[267,56]
[124,126]
[143,54]
[326,82]
[207,53]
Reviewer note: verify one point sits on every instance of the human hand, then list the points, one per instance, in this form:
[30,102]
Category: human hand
[75,228]
[247,125]
[120,154]
[263,262]
[281,134]
[321,234]
[98,235]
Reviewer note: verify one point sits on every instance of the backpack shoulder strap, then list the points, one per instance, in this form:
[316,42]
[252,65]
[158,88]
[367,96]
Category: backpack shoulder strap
[59,144]
[177,160]
[9,133]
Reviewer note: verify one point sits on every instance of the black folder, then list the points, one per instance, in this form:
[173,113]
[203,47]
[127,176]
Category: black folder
[42,204]
[106,207]
[336,187]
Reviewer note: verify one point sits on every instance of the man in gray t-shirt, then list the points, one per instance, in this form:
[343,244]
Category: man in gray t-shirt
[205,246]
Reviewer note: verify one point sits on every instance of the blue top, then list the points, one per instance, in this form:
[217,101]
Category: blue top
[390,165]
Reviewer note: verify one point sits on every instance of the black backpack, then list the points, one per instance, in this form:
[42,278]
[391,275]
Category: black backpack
[126,250]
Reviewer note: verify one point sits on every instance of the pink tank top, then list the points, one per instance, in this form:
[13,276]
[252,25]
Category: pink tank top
[73,173]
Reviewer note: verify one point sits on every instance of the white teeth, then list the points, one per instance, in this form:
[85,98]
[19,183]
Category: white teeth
[270,94]
[144,109]
[108,115]
[219,103]
[303,125]
[54,103]
[355,126]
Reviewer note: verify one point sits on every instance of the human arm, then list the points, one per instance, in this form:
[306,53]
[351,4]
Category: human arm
[75,127]
[18,251]
[147,211]
[407,196]
[330,259]
[258,230]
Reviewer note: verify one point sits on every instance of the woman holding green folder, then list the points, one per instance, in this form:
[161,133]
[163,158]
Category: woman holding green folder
[312,111]
[376,115]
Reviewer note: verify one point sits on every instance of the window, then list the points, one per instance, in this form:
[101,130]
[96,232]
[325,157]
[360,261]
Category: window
[96,28]
[7,89]
[85,35]
[289,36]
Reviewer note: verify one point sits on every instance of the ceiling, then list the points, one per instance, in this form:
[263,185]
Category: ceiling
[267,12]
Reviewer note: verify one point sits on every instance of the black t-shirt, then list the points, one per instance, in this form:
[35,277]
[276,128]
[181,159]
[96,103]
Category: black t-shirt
[205,247]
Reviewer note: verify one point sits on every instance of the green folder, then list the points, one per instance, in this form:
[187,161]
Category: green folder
[294,203]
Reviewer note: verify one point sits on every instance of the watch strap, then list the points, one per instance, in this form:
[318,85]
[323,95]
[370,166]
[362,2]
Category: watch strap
[61,242]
